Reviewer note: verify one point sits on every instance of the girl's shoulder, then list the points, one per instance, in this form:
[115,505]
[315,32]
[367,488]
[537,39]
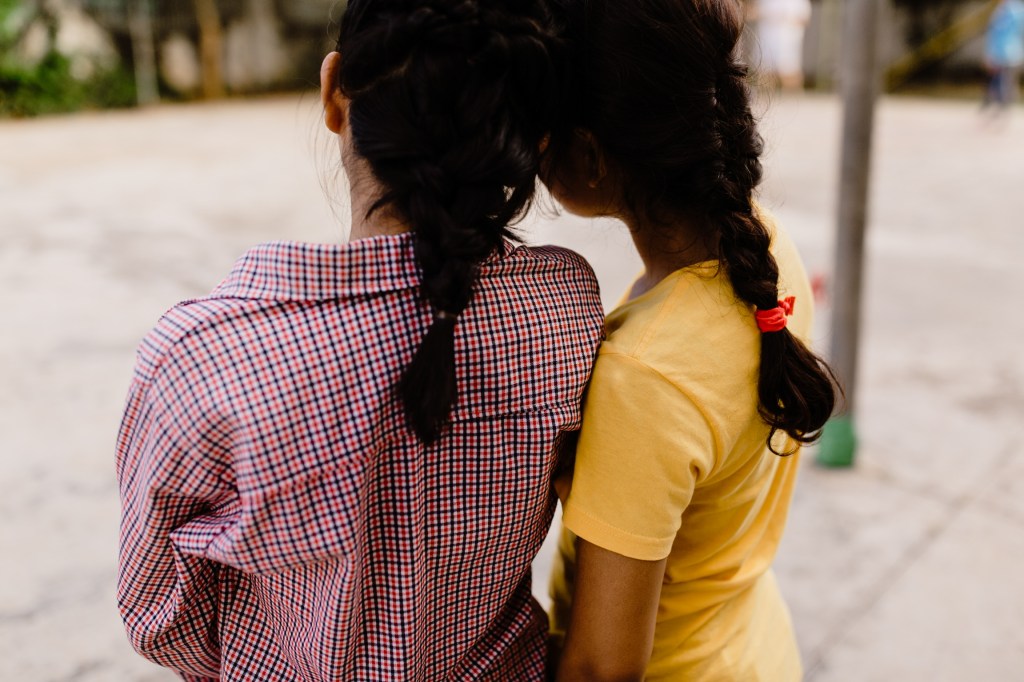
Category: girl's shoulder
[264,283]
[691,309]
[185,333]
[693,330]
[545,260]
[541,282]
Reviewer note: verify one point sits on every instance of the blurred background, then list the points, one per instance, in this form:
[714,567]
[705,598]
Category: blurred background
[144,145]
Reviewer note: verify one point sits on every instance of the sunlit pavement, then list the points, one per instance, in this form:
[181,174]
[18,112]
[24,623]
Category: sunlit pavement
[907,567]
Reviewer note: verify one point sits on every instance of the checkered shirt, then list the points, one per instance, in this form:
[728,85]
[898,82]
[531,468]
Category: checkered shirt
[281,522]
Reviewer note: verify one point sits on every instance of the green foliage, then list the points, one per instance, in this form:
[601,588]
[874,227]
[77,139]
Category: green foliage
[50,88]
[7,8]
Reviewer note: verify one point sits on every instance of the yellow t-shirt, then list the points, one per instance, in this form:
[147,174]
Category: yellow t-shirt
[672,462]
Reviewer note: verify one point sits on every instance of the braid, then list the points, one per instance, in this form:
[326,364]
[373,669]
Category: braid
[744,241]
[449,103]
[795,388]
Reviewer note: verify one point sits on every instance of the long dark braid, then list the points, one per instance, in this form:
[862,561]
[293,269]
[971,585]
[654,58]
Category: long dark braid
[796,389]
[450,102]
[659,84]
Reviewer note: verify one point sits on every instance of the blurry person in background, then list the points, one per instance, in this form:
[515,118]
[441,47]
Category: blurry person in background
[780,35]
[705,387]
[338,465]
[1004,54]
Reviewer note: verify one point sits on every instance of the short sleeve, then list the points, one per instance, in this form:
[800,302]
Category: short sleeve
[643,448]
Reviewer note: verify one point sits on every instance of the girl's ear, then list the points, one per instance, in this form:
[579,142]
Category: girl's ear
[595,163]
[335,103]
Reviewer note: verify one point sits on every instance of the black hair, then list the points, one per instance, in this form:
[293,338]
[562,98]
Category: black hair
[660,85]
[450,101]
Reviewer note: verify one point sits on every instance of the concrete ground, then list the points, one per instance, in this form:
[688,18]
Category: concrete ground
[908,567]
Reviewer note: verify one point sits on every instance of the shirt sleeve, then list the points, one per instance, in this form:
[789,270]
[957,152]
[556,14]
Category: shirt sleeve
[643,448]
[177,497]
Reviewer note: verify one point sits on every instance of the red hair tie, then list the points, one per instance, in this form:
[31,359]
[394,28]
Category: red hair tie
[774,320]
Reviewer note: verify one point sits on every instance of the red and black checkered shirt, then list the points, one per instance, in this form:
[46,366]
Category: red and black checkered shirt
[281,522]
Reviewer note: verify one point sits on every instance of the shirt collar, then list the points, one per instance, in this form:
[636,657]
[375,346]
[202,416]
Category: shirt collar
[305,271]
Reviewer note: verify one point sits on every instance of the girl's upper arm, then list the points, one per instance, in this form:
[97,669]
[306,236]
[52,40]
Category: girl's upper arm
[176,498]
[644,446]
[611,628]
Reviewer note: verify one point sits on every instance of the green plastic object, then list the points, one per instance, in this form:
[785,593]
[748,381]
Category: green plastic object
[838,445]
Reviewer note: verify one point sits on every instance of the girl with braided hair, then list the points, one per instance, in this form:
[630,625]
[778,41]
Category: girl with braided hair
[705,388]
[338,465]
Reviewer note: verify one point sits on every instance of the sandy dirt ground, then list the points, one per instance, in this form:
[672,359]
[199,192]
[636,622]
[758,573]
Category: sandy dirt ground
[907,567]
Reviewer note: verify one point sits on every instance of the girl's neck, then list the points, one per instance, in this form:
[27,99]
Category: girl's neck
[665,248]
[364,190]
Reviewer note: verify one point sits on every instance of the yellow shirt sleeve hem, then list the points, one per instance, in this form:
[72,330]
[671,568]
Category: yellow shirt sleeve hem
[613,539]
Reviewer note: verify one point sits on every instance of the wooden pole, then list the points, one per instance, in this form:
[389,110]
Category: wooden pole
[210,48]
[143,52]
[860,79]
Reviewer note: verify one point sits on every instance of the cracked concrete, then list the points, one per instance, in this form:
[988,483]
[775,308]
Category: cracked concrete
[905,568]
